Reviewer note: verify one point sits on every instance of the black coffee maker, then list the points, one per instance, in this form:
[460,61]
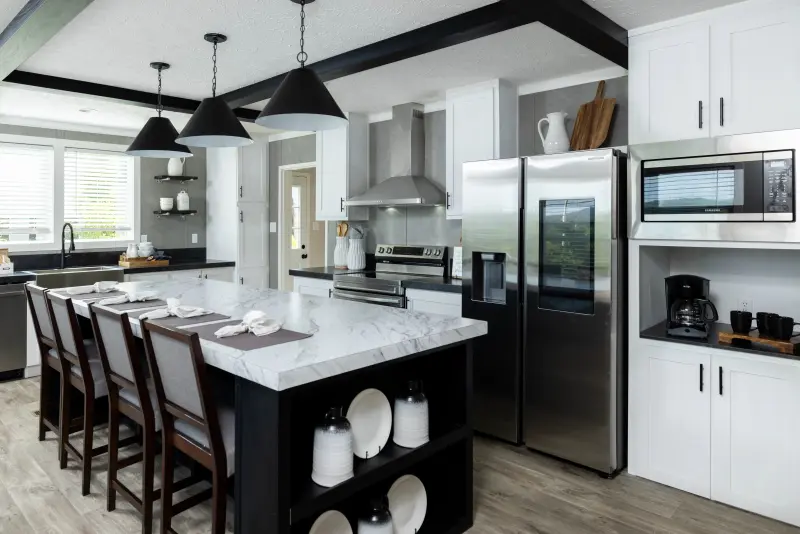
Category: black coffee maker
[689,312]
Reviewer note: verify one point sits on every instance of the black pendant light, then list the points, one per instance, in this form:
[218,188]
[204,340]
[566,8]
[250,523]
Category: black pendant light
[214,124]
[302,102]
[157,138]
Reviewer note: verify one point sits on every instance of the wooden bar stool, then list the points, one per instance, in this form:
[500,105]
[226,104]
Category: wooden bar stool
[81,369]
[192,421]
[50,381]
[132,395]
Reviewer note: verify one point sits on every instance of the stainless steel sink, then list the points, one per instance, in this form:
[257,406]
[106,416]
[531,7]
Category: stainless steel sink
[78,276]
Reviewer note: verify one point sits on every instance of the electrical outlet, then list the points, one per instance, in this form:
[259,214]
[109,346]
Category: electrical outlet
[144,238]
[273,227]
[194,239]
[746,304]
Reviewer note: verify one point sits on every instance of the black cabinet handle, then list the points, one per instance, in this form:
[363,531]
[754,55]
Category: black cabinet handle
[241,281]
[240,191]
[701,377]
[700,113]
[241,216]
[304,256]
[721,111]
[720,380]
[447,201]
[341,205]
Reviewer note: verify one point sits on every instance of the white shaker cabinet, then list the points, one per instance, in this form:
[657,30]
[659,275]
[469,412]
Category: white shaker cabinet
[440,302]
[481,125]
[755,435]
[313,286]
[670,427]
[754,71]
[253,261]
[669,84]
[222,274]
[342,169]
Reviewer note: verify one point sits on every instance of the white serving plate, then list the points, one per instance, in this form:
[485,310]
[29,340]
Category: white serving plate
[370,416]
[331,522]
[408,502]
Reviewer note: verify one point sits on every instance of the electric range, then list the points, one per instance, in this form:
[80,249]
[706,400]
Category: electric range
[394,264]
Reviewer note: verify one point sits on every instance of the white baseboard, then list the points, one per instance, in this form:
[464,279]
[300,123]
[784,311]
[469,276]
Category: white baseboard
[33,370]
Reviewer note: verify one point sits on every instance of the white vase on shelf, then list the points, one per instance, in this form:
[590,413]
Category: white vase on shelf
[356,257]
[175,166]
[340,253]
[556,141]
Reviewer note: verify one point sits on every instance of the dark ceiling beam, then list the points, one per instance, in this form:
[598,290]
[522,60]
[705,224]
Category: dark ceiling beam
[114,94]
[35,24]
[581,23]
[481,22]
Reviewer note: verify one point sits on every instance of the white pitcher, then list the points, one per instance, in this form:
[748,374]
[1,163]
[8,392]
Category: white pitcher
[175,166]
[557,140]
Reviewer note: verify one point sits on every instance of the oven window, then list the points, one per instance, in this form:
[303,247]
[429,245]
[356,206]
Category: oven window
[681,189]
[566,265]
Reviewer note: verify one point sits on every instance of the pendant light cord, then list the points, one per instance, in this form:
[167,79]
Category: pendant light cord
[160,107]
[214,78]
[302,57]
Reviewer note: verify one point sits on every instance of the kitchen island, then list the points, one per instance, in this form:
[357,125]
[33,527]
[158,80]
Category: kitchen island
[283,391]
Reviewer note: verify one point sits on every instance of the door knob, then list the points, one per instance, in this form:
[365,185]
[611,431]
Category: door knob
[304,256]
[303,247]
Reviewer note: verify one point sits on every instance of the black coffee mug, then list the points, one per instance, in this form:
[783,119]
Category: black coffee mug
[741,321]
[762,322]
[781,327]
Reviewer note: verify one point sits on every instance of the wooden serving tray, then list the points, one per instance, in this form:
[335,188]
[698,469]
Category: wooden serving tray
[791,346]
[137,263]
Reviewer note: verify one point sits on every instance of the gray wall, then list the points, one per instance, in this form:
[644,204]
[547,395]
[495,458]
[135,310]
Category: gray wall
[285,152]
[536,106]
[165,232]
[420,226]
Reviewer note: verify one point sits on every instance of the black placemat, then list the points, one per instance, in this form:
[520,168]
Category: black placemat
[246,341]
[91,296]
[179,322]
[128,306]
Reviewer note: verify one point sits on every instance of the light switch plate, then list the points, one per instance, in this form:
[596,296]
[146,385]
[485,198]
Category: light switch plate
[144,238]
[273,228]
[194,239]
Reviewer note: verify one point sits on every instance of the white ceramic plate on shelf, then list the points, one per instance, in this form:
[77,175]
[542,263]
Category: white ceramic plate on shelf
[370,416]
[331,522]
[408,502]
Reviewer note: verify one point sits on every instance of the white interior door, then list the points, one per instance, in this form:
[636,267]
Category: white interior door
[755,435]
[297,220]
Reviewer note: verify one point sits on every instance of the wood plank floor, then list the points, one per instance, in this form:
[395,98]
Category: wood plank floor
[517,492]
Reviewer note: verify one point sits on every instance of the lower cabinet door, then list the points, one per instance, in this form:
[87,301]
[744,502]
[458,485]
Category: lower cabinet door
[223,274]
[679,419]
[756,435]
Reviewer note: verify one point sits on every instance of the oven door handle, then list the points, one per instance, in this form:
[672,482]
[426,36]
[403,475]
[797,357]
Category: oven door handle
[360,289]
[397,302]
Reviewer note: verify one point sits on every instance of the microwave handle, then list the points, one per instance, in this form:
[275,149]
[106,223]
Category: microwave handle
[700,113]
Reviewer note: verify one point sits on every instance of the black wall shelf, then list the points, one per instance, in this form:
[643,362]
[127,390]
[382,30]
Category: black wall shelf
[170,213]
[181,179]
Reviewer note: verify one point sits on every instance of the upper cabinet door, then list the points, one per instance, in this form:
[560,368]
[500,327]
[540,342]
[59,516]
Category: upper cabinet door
[755,435]
[331,175]
[754,71]
[669,84]
[253,173]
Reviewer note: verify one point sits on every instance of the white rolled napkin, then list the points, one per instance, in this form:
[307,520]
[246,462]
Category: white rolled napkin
[175,309]
[131,295]
[97,287]
[255,322]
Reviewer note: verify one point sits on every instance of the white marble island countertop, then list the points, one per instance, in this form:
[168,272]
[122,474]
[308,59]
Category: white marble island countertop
[345,335]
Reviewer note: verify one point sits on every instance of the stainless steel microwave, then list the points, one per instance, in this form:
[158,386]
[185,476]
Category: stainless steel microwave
[734,188]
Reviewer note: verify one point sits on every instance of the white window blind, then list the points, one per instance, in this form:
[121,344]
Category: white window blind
[26,193]
[98,194]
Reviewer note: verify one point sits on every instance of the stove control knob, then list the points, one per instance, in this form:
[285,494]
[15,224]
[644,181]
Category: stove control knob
[427,252]
[380,250]
[438,253]
[388,250]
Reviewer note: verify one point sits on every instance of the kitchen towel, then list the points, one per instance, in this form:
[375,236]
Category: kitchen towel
[256,322]
[245,343]
[97,287]
[175,309]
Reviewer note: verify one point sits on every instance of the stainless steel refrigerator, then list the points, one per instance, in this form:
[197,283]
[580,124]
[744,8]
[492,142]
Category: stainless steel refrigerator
[544,263]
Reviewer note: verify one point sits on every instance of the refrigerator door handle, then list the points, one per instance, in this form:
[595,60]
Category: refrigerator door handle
[614,197]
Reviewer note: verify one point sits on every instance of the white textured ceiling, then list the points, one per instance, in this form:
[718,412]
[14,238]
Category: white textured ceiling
[530,53]
[35,107]
[113,41]
[634,13]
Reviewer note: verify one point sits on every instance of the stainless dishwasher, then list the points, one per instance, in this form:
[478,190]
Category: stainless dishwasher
[13,330]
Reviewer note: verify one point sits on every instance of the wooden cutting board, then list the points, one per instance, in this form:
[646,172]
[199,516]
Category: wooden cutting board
[593,121]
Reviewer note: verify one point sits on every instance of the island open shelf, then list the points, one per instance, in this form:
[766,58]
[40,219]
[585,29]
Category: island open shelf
[281,445]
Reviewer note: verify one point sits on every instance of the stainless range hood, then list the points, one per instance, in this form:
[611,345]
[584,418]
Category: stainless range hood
[407,186]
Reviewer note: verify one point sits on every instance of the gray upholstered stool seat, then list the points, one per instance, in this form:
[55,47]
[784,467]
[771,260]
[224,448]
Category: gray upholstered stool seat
[131,396]
[95,367]
[227,426]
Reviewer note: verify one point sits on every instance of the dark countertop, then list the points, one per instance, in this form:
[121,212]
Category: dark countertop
[659,333]
[182,265]
[18,277]
[446,285]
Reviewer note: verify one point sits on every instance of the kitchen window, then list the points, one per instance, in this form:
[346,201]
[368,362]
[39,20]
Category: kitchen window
[47,182]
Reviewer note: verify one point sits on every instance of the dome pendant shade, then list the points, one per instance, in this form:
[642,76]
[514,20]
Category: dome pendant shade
[302,103]
[157,140]
[214,125]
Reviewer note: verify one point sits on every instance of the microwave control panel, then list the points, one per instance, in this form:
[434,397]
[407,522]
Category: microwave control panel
[779,186]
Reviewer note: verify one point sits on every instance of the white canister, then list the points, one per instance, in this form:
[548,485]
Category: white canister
[340,253]
[356,256]
[557,140]
[166,203]
[146,249]
[183,201]
[411,417]
[133,251]
[332,461]
[175,166]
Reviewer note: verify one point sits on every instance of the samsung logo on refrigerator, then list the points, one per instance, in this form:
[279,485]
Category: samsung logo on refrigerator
[713,210]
